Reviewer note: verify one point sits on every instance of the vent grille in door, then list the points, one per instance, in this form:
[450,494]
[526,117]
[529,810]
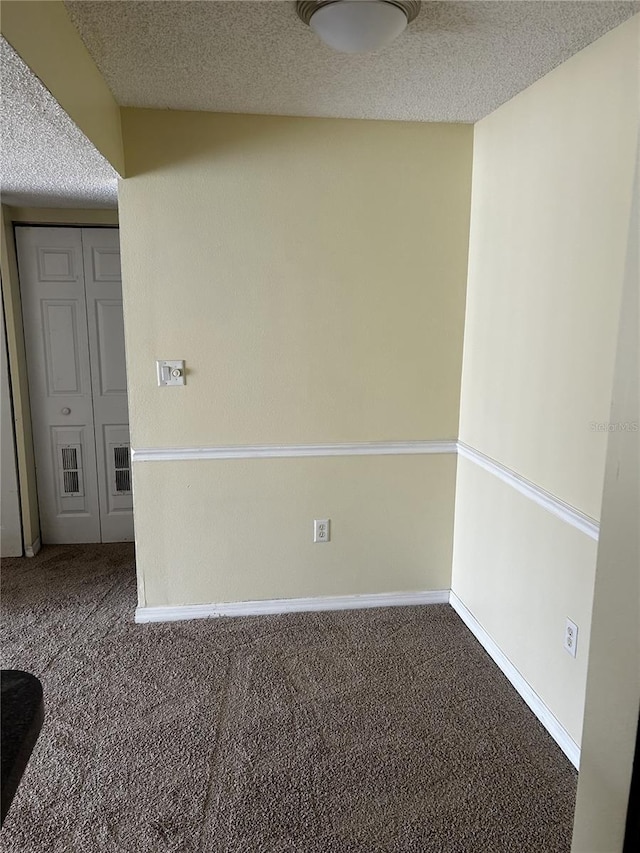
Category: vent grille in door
[70,470]
[121,469]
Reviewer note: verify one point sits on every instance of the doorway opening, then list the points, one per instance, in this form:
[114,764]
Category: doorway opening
[71,292]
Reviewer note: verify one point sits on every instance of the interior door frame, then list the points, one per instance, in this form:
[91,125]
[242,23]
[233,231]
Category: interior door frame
[23,437]
[11,543]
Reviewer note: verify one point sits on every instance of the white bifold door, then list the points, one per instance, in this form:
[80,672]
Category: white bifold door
[72,311]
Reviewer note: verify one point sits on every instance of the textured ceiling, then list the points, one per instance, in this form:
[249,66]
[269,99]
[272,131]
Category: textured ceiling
[457,61]
[45,161]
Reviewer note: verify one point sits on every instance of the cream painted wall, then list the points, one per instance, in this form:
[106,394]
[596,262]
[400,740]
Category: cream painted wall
[41,32]
[613,680]
[521,571]
[10,524]
[19,385]
[241,529]
[311,272]
[552,189]
[552,176]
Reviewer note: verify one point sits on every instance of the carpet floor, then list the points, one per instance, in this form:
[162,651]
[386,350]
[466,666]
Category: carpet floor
[366,731]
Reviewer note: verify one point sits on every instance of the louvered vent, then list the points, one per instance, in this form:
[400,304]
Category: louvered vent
[70,470]
[122,469]
[71,483]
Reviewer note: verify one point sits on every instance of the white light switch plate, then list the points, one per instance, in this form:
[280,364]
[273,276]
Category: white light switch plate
[170,372]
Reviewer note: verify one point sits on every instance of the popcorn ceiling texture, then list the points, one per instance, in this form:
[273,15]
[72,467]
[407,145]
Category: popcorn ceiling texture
[457,62]
[45,160]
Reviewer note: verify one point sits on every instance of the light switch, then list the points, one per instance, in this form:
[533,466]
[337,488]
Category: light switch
[171,372]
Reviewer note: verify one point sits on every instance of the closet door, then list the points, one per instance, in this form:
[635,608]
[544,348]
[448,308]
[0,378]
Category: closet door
[55,324]
[103,287]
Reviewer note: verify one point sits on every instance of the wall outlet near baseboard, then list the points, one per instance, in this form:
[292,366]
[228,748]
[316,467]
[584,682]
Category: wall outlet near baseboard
[571,637]
[321,529]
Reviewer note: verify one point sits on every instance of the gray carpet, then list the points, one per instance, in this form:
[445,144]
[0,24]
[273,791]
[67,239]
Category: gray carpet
[355,732]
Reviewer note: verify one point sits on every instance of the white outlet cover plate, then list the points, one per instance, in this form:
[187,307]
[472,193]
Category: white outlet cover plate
[321,530]
[571,637]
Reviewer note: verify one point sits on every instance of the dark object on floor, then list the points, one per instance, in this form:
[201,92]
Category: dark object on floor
[364,731]
[22,716]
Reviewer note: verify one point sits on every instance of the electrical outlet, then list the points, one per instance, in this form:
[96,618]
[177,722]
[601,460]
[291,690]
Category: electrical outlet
[571,637]
[321,530]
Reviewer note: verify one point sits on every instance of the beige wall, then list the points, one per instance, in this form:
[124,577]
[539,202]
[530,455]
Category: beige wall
[552,177]
[311,272]
[249,523]
[10,522]
[41,32]
[552,187]
[19,385]
[521,571]
[613,681]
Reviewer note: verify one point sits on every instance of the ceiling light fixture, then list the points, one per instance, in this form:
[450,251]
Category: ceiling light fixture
[357,26]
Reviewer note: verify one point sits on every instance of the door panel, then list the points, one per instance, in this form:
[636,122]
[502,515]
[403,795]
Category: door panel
[103,286]
[54,313]
[60,338]
[58,263]
[112,371]
[74,333]
[67,445]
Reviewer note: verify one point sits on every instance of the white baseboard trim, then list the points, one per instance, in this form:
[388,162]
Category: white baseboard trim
[290,605]
[392,599]
[535,703]
[545,499]
[363,448]
[32,550]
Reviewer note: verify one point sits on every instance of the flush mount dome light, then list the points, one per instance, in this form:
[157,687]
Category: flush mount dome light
[357,26]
